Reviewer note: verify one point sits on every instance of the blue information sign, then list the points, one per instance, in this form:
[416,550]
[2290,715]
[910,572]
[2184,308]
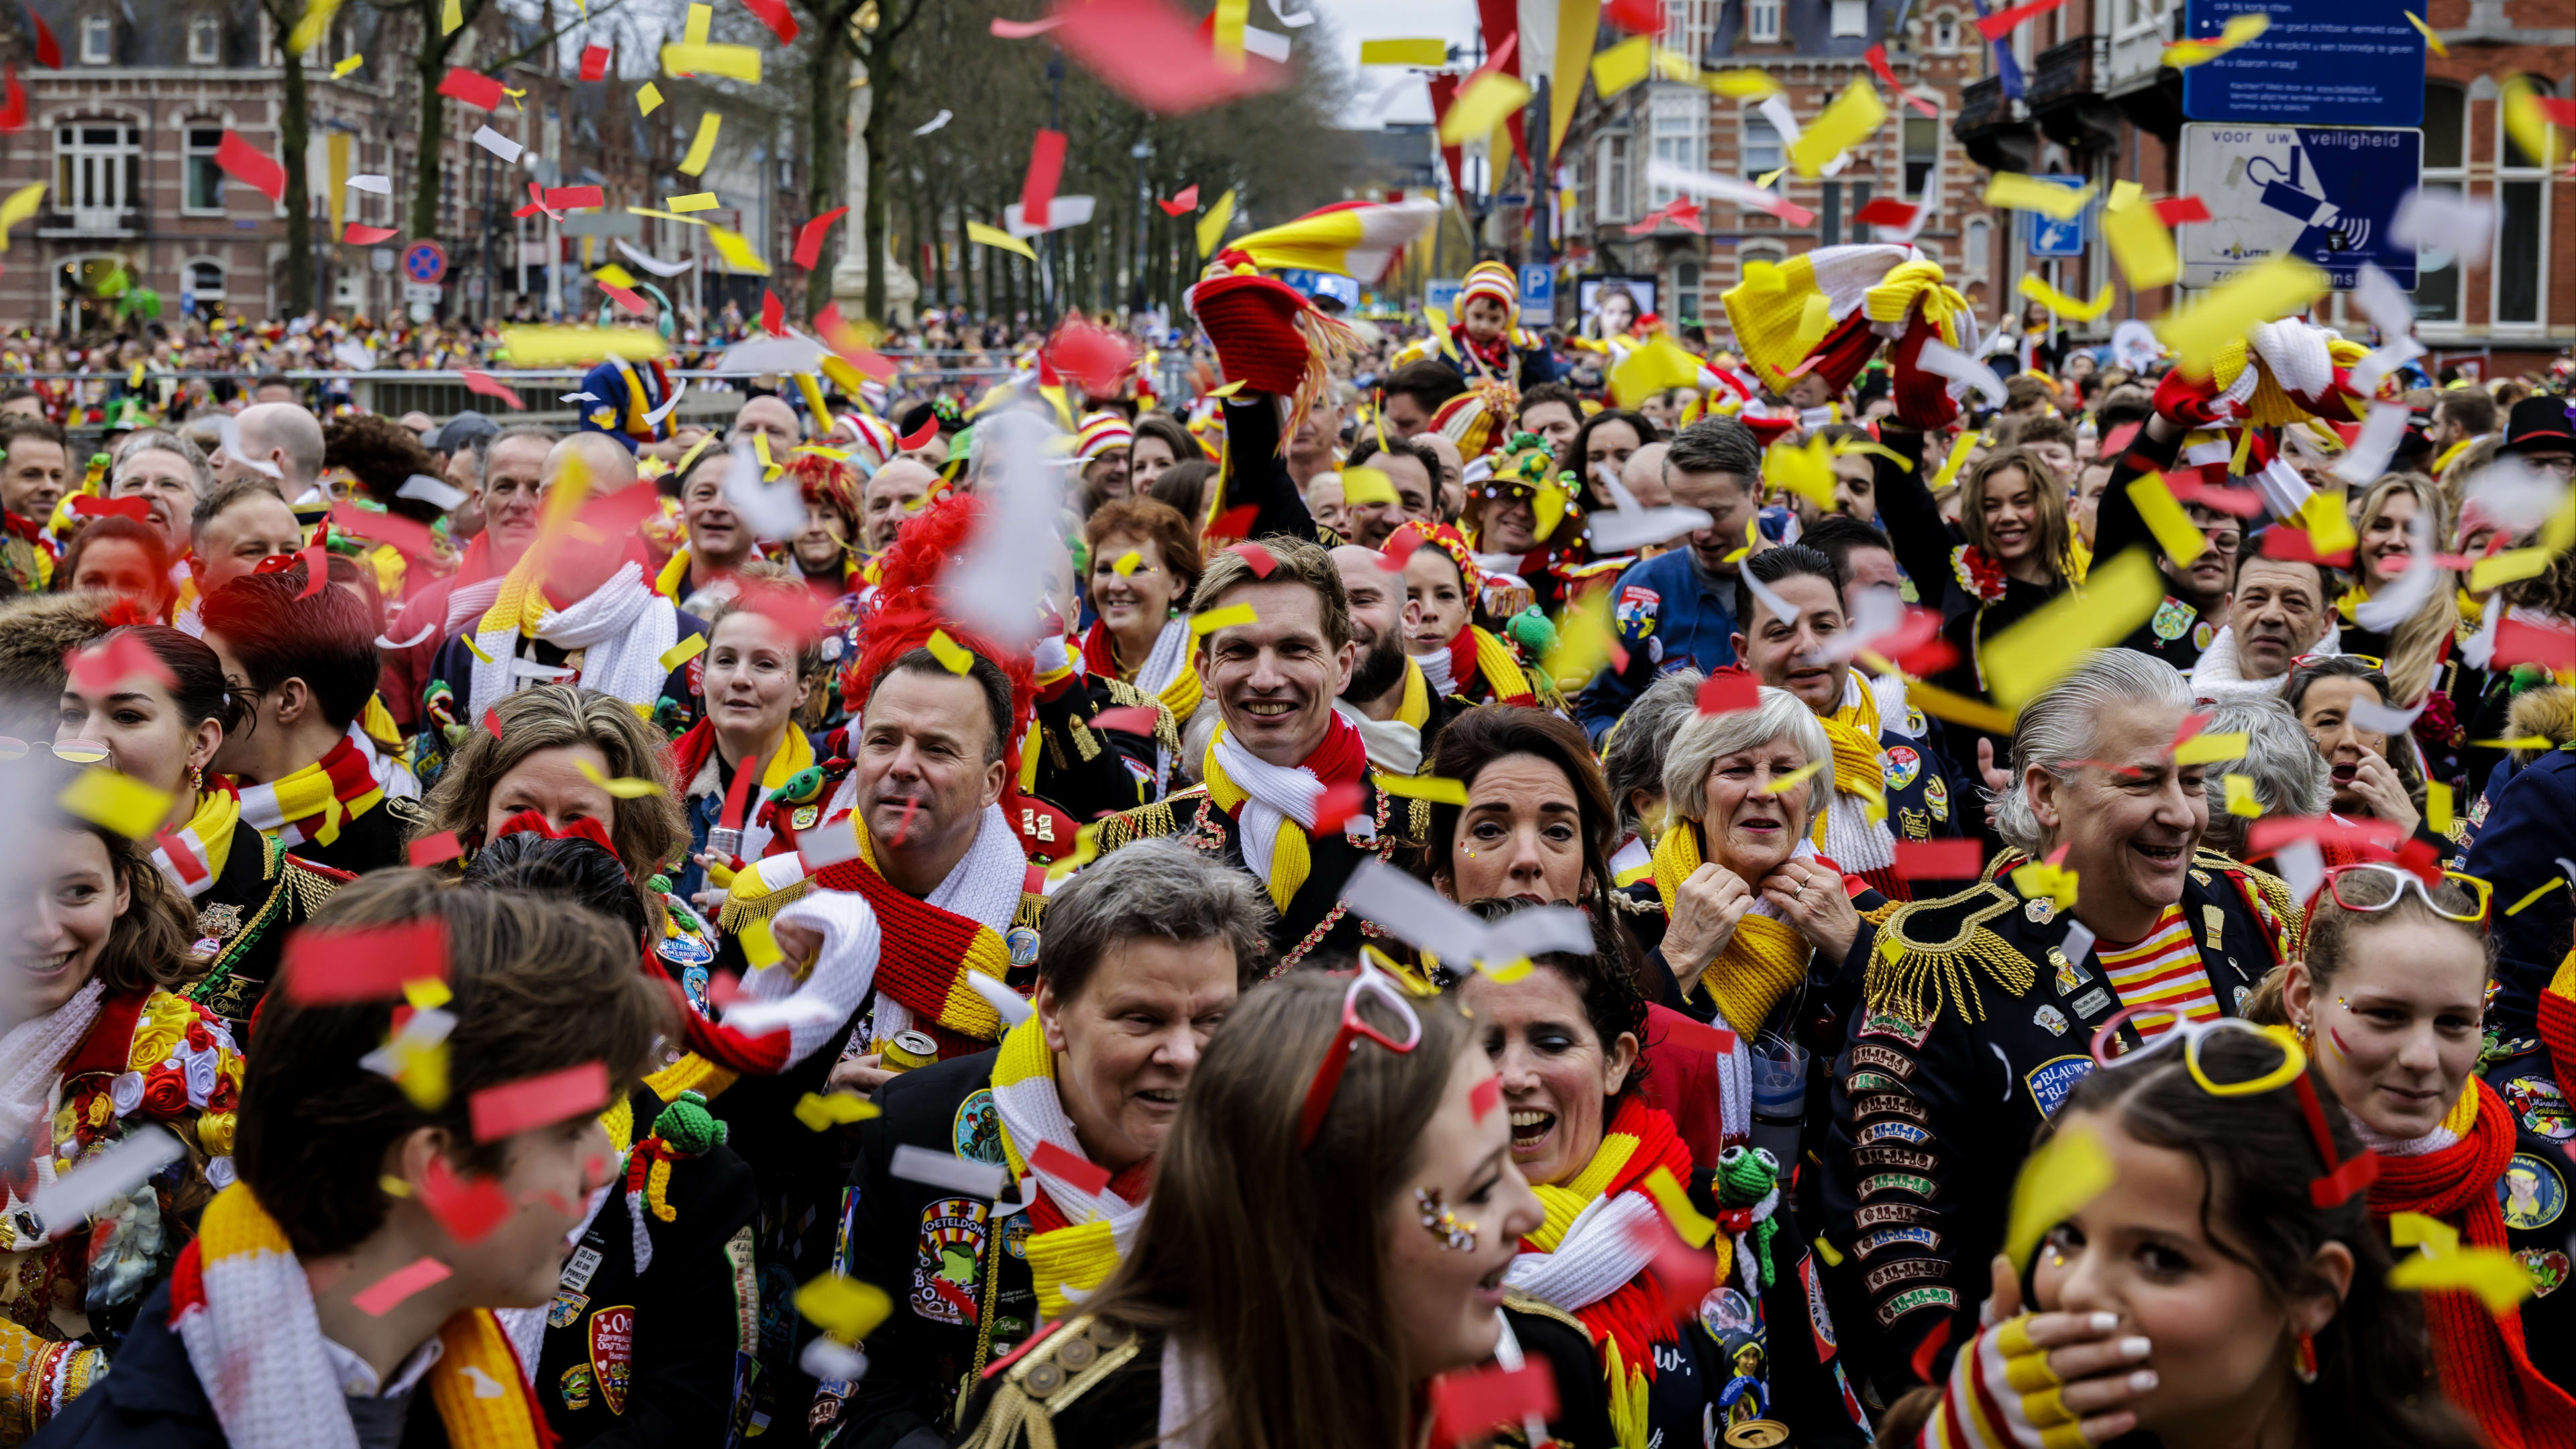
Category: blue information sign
[2324,194]
[1538,293]
[2046,236]
[2322,63]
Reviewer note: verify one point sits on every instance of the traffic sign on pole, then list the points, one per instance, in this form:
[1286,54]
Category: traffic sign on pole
[2050,237]
[2327,195]
[425,262]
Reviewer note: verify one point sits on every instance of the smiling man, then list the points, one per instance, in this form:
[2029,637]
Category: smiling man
[2280,610]
[1275,652]
[699,576]
[1145,952]
[1996,992]
[1389,699]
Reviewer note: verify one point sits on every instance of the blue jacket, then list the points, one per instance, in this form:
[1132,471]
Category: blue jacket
[2517,850]
[1668,617]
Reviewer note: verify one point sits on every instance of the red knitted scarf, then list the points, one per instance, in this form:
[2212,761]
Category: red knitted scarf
[1098,652]
[1134,1184]
[2480,1357]
[1492,354]
[2558,1029]
[1342,759]
[1465,667]
[922,955]
[1636,1316]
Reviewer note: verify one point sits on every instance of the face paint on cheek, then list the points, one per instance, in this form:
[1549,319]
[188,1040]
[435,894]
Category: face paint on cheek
[2336,1037]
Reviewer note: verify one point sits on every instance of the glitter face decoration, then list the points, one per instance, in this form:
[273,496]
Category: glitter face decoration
[1439,1222]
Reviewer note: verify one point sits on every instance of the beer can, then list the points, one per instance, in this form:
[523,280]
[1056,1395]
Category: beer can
[908,1049]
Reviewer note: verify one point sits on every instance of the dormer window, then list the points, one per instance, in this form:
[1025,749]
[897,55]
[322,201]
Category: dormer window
[205,40]
[98,40]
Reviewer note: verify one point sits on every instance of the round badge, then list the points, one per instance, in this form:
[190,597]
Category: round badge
[976,1132]
[207,946]
[1015,1235]
[2039,910]
[1903,764]
[832,648]
[2532,1192]
[2201,635]
[685,951]
[1023,942]
[1725,1311]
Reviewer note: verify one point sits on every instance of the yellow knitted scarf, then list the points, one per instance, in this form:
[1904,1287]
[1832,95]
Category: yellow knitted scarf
[1759,964]
[1415,708]
[1080,1256]
[1290,861]
[218,811]
[1500,666]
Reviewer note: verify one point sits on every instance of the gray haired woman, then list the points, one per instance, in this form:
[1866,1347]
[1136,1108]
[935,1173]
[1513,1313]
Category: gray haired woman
[2283,772]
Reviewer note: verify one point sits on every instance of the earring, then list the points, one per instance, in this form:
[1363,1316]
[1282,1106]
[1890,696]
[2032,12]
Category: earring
[196,777]
[2303,1357]
[1439,1222]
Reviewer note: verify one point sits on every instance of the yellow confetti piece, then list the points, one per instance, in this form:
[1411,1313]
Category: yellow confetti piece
[1481,106]
[759,946]
[1851,119]
[694,201]
[1659,366]
[1795,778]
[2062,304]
[1369,485]
[733,62]
[1826,1251]
[1204,624]
[2437,806]
[1212,225]
[1086,849]
[2039,878]
[475,649]
[2240,797]
[1437,788]
[2329,526]
[2517,907]
[1226,32]
[316,22]
[1965,444]
[2184,54]
[2164,518]
[1806,471]
[1431,52]
[548,346]
[2519,742]
[2559,534]
[1958,708]
[2068,1171]
[952,656]
[1879,450]
[420,1069]
[22,203]
[2432,42]
[614,275]
[1229,390]
[1127,563]
[703,148]
[2275,287]
[120,802]
[427,993]
[347,64]
[738,253]
[1504,973]
[2116,598]
[1584,640]
[843,1307]
[2508,566]
[1687,1221]
[2211,747]
[1741,84]
[682,652]
[2140,241]
[1890,947]
[392,1186]
[623,787]
[2417,1230]
[2016,192]
[818,1112]
[451,17]
[648,98]
[2496,1276]
[1622,65]
[701,20]
[994,236]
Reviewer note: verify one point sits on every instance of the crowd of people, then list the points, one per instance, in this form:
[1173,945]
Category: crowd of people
[1428,892]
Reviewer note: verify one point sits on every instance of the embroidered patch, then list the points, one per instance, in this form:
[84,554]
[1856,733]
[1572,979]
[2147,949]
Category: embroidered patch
[1876,1213]
[612,1353]
[1015,1236]
[1895,1131]
[746,1290]
[1887,1275]
[2172,618]
[2070,974]
[1936,793]
[2532,1192]
[1922,1187]
[948,1260]
[2547,1267]
[1635,603]
[1914,1298]
[684,950]
[2039,910]
[2214,921]
[2051,1080]
[976,1134]
[2050,1018]
[2093,1002]
[1883,1058]
[1915,724]
[2541,1106]
[1915,824]
[1891,1104]
[584,1262]
[1903,764]
[1924,1238]
[565,1311]
[574,1387]
[1871,1082]
[1895,1027]
[219,920]
[1905,1157]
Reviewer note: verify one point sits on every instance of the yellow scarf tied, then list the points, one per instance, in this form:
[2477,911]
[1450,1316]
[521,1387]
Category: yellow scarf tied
[1415,708]
[1080,1256]
[1762,962]
[1500,666]
[1859,766]
[1290,862]
[218,811]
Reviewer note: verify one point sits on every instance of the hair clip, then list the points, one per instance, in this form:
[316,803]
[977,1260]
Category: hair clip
[1443,1224]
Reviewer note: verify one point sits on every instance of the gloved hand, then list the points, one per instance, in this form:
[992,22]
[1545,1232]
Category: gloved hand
[1922,396]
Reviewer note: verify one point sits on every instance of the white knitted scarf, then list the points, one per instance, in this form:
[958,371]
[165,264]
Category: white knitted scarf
[623,627]
[32,1057]
[983,886]
[256,1345]
[1393,746]
[1170,655]
[1436,668]
[2219,676]
[1032,1113]
[1609,1243]
[1274,796]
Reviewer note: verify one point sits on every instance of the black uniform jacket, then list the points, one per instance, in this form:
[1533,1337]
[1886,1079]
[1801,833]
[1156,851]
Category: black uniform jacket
[263,894]
[370,842]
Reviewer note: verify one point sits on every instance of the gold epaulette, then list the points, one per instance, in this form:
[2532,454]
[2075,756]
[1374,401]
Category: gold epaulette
[1167,730]
[1056,1371]
[1145,822]
[1879,916]
[2274,891]
[740,908]
[1912,974]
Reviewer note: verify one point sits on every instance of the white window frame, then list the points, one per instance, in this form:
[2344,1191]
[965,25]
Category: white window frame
[118,161]
[188,274]
[1849,18]
[2505,173]
[191,150]
[1905,191]
[2455,179]
[1976,235]
[1945,33]
[1686,26]
[1677,133]
[207,27]
[1778,146]
[1762,22]
[97,40]
[1610,176]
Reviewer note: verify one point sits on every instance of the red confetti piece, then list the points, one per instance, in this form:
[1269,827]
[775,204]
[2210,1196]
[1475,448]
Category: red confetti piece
[388,1292]
[1023,29]
[1886,211]
[1959,859]
[49,51]
[103,668]
[2291,543]
[1046,168]
[1482,1097]
[432,850]
[1255,555]
[2192,724]
[1877,58]
[1158,56]
[490,386]
[472,88]
[1135,719]
[358,235]
[844,339]
[1399,548]
[411,537]
[13,114]
[317,570]
[569,197]
[492,722]
[1093,356]
[956,1299]
[810,236]
[2519,641]
[919,437]
[468,1207]
[88,505]
[370,963]
[2274,831]
[594,62]
[1683,1272]
[1637,17]
[539,1101]
[773,314]
[627,297]
[903,827]
[1234,522]
[1929,1350]
[1184,200]
[1692,1035]
[775,15]
[2179,210]
[250,166]
[2241,502]
[1080,1173]
[1467,1406]
[1338,803]
[1728,692]
[182,859]
[2005,22]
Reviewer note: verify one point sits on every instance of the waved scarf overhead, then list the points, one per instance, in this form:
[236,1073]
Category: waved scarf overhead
[1274,808]
[239,1301]
[1076,1238]
[314,802]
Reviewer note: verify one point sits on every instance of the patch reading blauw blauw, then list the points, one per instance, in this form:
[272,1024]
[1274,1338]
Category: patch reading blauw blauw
[2051,1080]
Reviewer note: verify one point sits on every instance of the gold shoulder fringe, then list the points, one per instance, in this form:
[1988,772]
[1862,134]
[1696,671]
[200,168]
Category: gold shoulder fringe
[1145,822]
[1167,730]
[1040,1385]
[1924,975]
[737,909]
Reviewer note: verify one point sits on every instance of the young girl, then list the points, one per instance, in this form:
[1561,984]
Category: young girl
[2205,1297]
[1485,345]
[1442,585]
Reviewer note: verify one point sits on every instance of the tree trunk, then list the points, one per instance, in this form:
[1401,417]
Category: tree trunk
[294,126]
[827,147]
[881,74]
[432,66]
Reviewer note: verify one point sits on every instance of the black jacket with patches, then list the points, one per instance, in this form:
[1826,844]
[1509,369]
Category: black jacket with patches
[1083,770]
[963,1295]
[680,1333]
[2537,1183]
[1316,924]
[370,842]
[1969,1031]
[263,894]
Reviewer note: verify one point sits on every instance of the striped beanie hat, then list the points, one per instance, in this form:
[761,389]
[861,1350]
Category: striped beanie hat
[1102,432]
[1491,279]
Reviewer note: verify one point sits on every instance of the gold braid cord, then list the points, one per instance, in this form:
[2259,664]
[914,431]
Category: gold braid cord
[1926,974]
[1145,822]
[2275,893]
[1047,1380]
[1167,731]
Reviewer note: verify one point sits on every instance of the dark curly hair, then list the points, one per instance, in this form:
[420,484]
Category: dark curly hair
[1612,1001]
[381,455]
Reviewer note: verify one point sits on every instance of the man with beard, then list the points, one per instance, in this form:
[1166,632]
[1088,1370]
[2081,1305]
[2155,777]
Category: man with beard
[1275,668]
[2128,927]
[1389,699]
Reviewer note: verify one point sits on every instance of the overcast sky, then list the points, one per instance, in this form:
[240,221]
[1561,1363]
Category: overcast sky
[1356,20]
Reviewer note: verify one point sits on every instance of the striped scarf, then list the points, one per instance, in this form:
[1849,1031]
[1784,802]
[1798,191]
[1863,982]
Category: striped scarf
[1166,673]
[239,1302]
[1590,1258]
[205,845]
[2481,1358]
[1761,962]
[314,802]
[2558,1019]
[1852,827]
[1477,654]
[1077,1238]
[928,948]
[1274,808]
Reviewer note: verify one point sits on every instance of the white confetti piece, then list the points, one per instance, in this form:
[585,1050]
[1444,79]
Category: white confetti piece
[65,1203]
[436,492]
[380,185]
[1012,1007]
[498,144]
[939,1169]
